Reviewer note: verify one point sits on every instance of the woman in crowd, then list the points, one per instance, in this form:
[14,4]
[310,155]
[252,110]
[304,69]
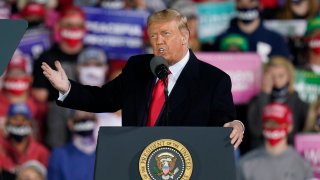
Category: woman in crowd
[313,118]
[277,86]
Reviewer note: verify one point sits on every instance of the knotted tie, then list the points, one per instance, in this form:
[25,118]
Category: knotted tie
[157,101]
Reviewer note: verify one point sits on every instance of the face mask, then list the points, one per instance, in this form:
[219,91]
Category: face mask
[18,133]
[247,15]
[314,44]
[34,24]
[93,76]
[72,36]
[16,85]
[279,94]
[84,127]
[275,135]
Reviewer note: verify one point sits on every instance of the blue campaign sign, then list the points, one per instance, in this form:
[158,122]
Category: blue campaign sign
[119,32]
[34,43]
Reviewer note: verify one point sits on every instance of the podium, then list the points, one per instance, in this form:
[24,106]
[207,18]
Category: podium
[133,153]
[11,33]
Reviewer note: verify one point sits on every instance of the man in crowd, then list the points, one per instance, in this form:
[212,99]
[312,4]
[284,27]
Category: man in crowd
[70,31]
[276,159]
[75,160]
[199,94]
[19,145]
[249,24]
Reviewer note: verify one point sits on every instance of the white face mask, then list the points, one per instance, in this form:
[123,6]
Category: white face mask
[93,76]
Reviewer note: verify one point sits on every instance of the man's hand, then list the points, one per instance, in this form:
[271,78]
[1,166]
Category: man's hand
[58,79]
[236,135]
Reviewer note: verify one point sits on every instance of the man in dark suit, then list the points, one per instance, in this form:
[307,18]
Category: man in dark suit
[199,94]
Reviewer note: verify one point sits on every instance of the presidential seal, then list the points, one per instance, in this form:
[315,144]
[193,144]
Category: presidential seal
[165,159]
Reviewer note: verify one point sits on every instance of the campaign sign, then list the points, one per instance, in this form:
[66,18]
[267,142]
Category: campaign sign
[244,70]
[214,19]
[308,145]
[119,32]
[296,28]
[35,42]
[307,84]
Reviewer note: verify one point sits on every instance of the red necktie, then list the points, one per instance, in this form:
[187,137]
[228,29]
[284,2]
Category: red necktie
[157,101]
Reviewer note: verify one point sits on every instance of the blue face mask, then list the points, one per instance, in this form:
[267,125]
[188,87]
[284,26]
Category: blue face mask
[247,15]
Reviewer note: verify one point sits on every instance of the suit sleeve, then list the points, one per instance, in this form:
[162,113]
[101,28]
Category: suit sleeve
[108,98]
[222,102]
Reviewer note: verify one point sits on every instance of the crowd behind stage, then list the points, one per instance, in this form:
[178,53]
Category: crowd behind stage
[40,140]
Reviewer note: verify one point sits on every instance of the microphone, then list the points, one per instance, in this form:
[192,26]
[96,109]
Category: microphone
[159,67]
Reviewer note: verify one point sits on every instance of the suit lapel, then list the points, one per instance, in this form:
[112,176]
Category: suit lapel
[144,90]
[185,84]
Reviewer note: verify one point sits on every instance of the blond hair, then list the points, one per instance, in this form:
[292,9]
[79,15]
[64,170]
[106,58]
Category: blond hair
[310,125]
[287,12]
[169,15]
[283,62]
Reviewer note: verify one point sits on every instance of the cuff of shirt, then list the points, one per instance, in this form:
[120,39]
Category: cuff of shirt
[62,97]
[241,125]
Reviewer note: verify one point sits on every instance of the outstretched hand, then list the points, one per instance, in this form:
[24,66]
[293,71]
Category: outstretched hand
[236,135]
[57,78]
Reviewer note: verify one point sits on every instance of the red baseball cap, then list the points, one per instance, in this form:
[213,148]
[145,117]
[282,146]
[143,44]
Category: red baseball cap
[34,9]
[18,61]
[277,112]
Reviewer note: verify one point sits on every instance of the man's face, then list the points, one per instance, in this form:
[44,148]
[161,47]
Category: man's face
[72,21]
[19,120]
[168,41]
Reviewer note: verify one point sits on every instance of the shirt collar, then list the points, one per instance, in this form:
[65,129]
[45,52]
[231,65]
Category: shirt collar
[178,67]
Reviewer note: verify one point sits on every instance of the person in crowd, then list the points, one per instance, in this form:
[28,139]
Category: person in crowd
[313,119]
[70,30]
[18,144]
[16,87]
[75,160]
[32,170]
[299,9]
[277,86]
[276,159]
[234,43]
[192,83]
[249,24]
[312,38]
[35,14]
[92,69]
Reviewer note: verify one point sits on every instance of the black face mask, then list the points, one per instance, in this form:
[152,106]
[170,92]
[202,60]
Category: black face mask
[84,127]
[18,133]
[33,24]
[248,15]
[17,138]
[280,94]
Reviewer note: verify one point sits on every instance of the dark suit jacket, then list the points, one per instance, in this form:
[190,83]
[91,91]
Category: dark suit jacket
[200,97]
